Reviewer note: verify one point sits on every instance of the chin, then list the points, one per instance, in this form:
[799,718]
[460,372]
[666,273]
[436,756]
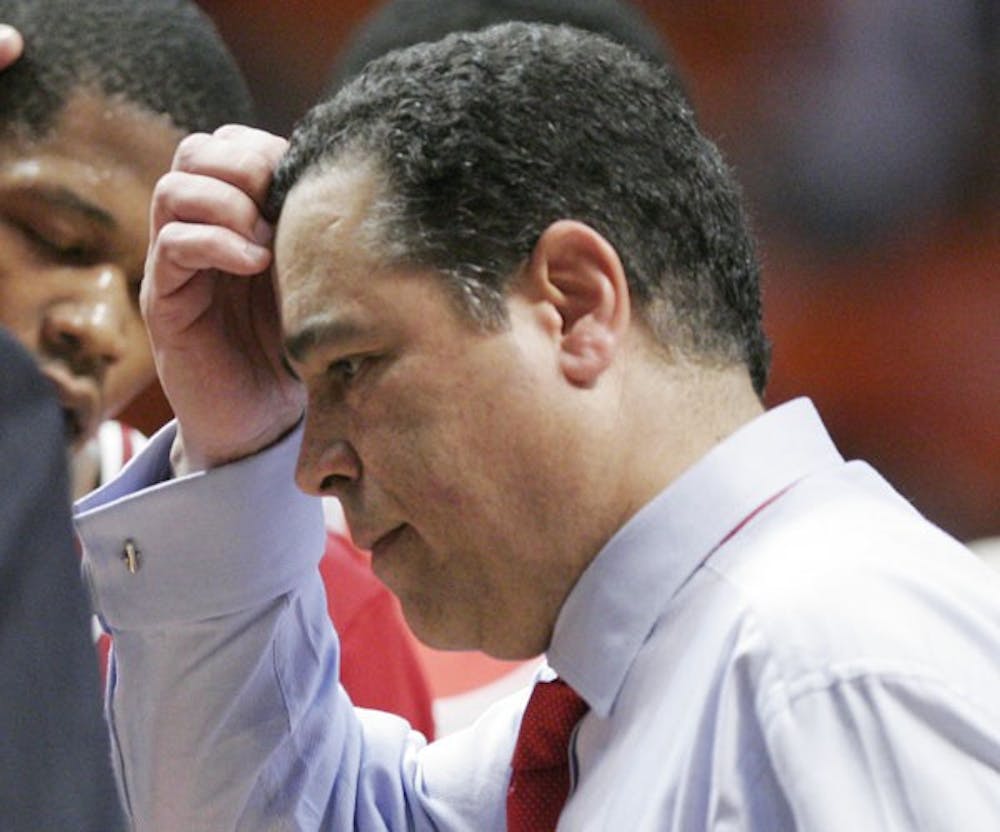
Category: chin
[436,628]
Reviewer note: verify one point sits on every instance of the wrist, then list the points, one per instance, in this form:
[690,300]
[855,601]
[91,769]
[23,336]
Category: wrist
[186,458]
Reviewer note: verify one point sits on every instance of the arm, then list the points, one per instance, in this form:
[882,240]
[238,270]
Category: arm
[225,706]
[218,678]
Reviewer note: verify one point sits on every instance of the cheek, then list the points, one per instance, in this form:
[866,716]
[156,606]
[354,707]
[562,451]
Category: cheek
[442,466]
[20,306]
[407,440]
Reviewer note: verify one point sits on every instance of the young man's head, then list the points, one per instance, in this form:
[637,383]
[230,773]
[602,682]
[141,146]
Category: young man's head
[89,118]
[518,286]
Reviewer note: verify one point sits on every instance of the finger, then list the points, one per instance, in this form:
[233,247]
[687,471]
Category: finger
[181,250]
[11,45]
[241,156]
[267,143]
[176,312]
[194,198]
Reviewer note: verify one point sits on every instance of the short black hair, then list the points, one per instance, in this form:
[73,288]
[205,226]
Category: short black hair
[401,23]
[482,140]
[164,56]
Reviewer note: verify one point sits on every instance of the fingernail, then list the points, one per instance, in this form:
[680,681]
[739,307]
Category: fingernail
[263,232]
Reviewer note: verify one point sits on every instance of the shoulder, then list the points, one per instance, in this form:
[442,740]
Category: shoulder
[845,536]
[844,579]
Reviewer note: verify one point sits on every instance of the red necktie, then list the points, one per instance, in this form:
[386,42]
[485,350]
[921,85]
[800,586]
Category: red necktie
[539,781]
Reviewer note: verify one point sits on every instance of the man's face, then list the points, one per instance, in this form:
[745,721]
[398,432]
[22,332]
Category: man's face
[74,210]
[449,447]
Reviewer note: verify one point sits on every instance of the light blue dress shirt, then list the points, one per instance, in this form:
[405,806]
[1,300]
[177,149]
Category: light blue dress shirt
[777,641]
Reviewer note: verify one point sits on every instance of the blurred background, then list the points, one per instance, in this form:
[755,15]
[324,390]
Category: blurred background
[865,133]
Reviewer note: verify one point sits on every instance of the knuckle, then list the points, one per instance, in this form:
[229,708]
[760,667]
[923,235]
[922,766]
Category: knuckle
[171,236]
[254,165]
[168,191]
[163,203]
[189,149]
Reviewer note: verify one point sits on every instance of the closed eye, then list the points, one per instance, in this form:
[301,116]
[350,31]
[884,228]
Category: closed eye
[71,252]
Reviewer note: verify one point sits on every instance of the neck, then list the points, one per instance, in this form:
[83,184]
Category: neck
[654,421]
[682,415]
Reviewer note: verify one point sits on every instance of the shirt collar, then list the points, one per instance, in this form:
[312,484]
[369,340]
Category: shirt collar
[616,602]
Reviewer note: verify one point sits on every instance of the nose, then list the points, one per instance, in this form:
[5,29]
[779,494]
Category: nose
[87,328]
[327,466]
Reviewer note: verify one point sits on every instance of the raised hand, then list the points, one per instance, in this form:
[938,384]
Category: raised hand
[209,302]
[11,45]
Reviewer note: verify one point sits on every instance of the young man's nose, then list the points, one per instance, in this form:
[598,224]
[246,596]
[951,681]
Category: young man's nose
[87,329]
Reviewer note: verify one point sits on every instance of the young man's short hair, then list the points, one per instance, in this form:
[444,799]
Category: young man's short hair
[164,56]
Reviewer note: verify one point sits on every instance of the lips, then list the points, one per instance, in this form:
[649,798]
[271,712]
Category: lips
[80,400]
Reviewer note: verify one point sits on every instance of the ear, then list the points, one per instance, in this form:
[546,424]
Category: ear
[580,276]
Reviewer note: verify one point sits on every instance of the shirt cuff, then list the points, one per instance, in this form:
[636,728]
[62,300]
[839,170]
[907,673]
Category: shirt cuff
[208,544]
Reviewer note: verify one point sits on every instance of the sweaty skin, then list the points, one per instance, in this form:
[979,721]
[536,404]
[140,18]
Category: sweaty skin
[73,238]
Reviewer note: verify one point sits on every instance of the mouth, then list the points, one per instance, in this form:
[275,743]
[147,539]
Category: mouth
[80,401]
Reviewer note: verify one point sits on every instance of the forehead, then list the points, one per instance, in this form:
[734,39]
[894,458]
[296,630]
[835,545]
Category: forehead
[327,228]
[340,279]
[334,205]
[101,149]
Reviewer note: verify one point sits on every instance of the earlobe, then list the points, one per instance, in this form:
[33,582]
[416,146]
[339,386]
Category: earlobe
[580,275]
[587,353]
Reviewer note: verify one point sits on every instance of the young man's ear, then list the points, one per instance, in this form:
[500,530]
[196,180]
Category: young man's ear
[579,273]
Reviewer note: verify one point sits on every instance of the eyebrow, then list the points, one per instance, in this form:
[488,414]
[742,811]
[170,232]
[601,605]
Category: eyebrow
[316,332]
[65,199]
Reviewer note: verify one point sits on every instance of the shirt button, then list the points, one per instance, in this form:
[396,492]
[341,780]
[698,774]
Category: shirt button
[130,556]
